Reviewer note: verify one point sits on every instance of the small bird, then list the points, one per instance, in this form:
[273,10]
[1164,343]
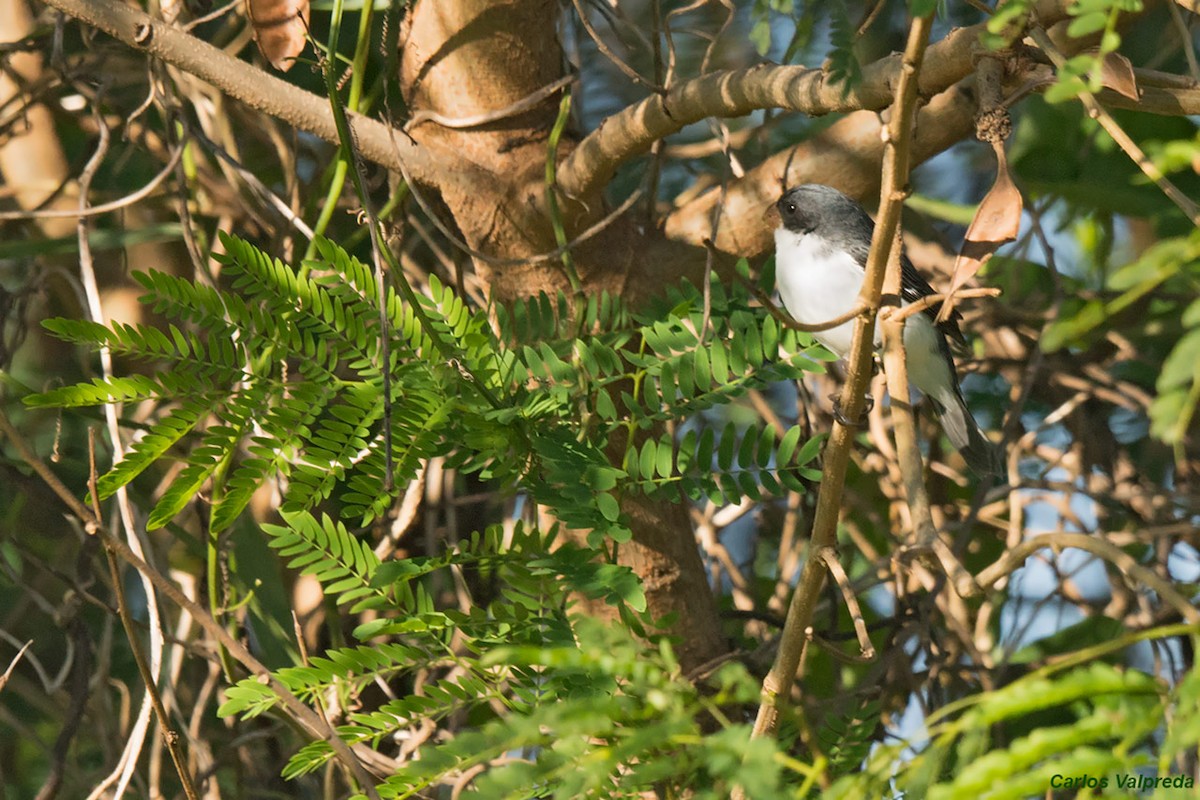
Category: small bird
[821,248]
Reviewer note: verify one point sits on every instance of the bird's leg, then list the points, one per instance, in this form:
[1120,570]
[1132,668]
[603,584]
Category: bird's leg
[840,417]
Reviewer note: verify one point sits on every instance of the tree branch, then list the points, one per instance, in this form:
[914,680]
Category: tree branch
[735,93]
[1015,558]
[845,155]
[264,92]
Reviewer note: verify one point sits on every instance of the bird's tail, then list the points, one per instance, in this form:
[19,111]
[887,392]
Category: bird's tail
[983,457]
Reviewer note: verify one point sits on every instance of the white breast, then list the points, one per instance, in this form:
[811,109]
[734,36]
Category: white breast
[817,283]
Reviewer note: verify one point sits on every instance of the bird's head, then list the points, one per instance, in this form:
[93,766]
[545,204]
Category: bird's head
[813,207]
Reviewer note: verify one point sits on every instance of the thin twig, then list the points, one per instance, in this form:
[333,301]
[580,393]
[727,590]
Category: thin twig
[607,52]
[170,736]
[916,307]
[123,773]
[255,184]
[777,686]
[1185,40]
[210,16]
[272,95]
[786,320]
[1015,558]
[104,208]
[13,664]
[829,556]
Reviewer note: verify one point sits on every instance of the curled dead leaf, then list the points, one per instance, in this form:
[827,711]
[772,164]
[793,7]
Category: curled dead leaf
[280,29]
[997,221]
[1116,73]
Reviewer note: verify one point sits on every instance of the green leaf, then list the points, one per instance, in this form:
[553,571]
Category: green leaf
[1182,365]
[811,448]
[646,463]
[1088,23]
[787,445]
[760,35]
[609,507]
[605,407]
[720,364]
[702,370]
[726,448]
[664,465]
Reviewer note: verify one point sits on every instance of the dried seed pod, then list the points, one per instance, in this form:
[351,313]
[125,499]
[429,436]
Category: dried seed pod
[280,28]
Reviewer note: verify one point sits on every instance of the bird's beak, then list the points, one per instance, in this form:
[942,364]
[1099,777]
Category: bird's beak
[771,215]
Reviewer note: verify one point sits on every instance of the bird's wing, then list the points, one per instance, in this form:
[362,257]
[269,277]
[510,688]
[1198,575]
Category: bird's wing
[913,287]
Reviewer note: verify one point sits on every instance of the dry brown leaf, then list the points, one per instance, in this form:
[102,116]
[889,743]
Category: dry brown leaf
[1116,73]
[280,28]
[996,222]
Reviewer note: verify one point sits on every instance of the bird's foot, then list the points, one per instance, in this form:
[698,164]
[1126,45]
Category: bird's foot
[869,403]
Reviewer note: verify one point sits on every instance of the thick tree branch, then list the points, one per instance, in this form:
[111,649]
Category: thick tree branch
[264,92]
[738,92]
[845,155]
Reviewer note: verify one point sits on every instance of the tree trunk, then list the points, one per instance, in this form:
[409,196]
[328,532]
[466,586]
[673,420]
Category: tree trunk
[464,58]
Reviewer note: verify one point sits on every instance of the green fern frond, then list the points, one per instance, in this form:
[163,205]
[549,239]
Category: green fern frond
[148,449]
[183,299]
[418,433]
[147,342]
[285,426]
[439,700]
[249,697]
[352,666]
[544,318]
[220,441]
[727,468]
[341,562]
[335,445]
[117,390]
[319,325]
[350,274]
[847,739]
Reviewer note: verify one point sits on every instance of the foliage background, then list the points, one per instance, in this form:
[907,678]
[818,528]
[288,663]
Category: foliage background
[498,591]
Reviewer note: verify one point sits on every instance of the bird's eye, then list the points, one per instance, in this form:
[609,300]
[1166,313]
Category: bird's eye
[790,208]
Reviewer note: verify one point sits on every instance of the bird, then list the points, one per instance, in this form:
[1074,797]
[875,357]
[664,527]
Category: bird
[821,247]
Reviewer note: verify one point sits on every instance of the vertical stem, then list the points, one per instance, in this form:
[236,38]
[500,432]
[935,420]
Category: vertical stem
[170,736]
[338,181]
[777,686]
[904,427]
